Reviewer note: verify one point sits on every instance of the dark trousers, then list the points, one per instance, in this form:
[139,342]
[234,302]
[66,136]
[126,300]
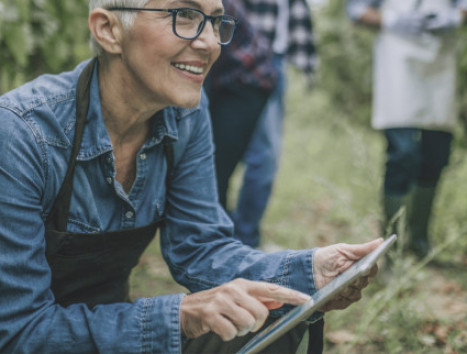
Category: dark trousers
[235,110]
[414,157]
[288,343]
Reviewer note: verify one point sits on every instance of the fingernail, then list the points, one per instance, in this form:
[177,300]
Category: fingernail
[257,326]
[244,332]
[304,297]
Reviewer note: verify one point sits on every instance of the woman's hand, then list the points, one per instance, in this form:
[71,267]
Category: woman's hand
[234,309]
[332,260]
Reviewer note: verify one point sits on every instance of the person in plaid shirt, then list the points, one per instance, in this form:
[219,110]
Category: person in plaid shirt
[287,27]
[238,88]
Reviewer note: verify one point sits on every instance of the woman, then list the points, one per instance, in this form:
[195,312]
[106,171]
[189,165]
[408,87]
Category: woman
[95,160]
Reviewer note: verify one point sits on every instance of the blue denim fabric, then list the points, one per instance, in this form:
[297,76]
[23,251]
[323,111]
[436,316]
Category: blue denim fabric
[37,124]
[414,157]
[261,163]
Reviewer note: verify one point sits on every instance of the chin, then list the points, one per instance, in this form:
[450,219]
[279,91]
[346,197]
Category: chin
[189,102]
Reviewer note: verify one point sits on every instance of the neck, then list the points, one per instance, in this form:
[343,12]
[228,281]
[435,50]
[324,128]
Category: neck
[125,113]
[126,117]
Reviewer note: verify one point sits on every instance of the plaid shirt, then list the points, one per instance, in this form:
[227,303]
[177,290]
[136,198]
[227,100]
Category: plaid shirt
[301,51]
[247,59]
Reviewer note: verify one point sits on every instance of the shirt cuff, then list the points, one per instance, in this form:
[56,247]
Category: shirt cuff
[309,266]
[298,275]
[301,262]
[160,324]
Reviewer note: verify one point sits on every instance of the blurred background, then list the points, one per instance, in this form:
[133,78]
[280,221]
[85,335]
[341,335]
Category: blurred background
[329,182]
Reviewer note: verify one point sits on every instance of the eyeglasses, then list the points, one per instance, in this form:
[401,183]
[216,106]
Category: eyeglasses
[189,23]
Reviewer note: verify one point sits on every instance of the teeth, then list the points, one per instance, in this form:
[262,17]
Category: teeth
[189,68]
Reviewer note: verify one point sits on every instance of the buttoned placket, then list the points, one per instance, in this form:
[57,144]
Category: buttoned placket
[109,169]
[129,216]
[129,213]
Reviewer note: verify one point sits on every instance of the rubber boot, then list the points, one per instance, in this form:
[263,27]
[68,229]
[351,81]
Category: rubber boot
[393,207]
[392,216]
[419,212]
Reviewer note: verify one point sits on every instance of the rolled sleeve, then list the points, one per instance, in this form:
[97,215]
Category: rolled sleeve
[301,267]
[160,318]
[299,272]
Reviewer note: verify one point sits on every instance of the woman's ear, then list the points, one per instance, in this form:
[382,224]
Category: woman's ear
[106,29]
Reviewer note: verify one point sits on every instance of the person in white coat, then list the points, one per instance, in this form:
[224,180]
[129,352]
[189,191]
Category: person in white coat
[414,101]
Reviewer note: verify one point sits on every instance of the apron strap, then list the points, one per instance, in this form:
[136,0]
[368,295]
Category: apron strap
[169,155]
[59,214]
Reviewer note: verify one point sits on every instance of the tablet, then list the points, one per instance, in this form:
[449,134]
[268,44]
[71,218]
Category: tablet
[326,293]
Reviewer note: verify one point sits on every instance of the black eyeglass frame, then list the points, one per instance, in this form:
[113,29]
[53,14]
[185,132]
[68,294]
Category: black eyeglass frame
[174,13]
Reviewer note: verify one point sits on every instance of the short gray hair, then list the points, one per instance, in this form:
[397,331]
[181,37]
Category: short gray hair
[126,17]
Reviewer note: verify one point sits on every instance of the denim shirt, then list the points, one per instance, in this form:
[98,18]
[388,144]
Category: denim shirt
[37,123]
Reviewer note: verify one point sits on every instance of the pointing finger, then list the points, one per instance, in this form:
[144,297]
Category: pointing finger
[274,294]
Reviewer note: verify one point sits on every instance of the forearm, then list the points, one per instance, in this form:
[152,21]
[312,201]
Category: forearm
[207,261]
[196,239]
[148,325]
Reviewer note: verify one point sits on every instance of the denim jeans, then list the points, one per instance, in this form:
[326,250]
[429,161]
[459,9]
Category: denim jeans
[414,156]
[261,162]
[235,111]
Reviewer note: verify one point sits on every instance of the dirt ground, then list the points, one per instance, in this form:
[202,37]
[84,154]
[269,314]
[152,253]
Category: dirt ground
[443,320]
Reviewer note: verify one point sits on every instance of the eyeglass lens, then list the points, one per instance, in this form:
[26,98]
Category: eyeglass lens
[189,23]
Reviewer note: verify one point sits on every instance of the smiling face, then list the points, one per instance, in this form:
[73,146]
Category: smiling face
[161,69]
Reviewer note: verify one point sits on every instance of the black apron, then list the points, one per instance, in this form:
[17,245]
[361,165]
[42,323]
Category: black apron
[91,268]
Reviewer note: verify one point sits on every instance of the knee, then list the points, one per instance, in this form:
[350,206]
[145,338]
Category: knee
[430,172]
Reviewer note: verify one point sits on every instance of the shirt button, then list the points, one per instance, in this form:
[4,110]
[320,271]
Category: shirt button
[142,156]
[129,214]
[109,180]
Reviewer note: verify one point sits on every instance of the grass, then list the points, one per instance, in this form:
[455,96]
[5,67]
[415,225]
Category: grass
[327,191]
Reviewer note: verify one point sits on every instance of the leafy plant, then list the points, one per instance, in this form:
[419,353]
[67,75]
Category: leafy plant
[38,36]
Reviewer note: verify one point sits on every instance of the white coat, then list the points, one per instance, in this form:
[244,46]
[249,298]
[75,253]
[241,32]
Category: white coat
[415,75]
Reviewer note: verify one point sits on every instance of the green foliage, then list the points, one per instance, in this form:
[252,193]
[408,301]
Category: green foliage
[345,51]
[462,77]
[38,36]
